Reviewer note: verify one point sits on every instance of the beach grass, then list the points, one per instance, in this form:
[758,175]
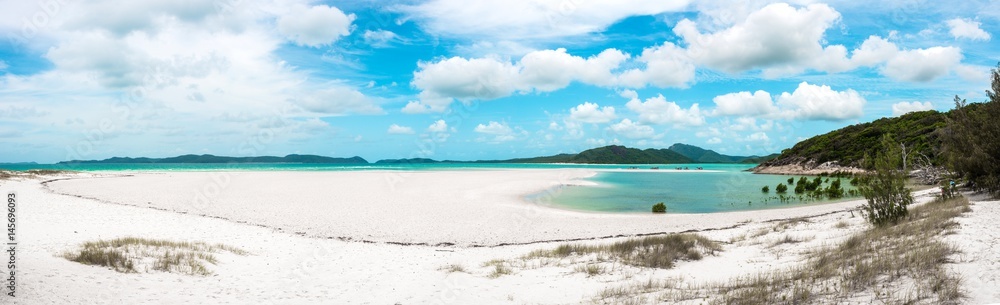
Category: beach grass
[135,254]
[649,251]
[880,261]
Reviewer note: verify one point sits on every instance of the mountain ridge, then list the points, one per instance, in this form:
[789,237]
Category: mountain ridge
[611,154]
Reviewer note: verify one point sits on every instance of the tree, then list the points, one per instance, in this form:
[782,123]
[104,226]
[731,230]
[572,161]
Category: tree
[781,188]
[971,140]
[659,208]
[885,188]
[765,189]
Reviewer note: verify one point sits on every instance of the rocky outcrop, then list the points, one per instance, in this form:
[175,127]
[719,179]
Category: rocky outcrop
[802,166]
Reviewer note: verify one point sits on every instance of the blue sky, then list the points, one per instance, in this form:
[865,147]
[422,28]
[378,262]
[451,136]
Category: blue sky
[464,80]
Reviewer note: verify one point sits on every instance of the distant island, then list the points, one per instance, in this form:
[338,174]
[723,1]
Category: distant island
[220,159]
[613,154]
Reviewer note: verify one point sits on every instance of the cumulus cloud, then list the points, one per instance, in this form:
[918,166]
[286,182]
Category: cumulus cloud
[902,108]
[494,128]
[965,28]
[315,26]
[874,50]
[529,19]
[396,129]
[657,110]
[465,79]
[777,35]
[550,70]
[666,65]
[812,102]
[592,113]
[922,65]
[438,126]
[490,77]
[500,131]
[744,104]
[190,73]
[632,130]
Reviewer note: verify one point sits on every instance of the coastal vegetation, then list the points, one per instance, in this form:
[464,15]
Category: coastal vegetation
[885,188]
[908,254]
[660,251]
[971,140]
[659,208]
[132,254]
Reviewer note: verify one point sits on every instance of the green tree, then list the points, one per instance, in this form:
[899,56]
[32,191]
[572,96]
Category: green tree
[765,189]
[781,188]
[971,140]
[885,189]
[659,208]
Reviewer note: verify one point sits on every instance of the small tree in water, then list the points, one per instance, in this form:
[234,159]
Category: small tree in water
[885,189]
[659,208]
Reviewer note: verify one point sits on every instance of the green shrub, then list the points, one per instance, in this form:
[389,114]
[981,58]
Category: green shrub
[659,208]
[781,188]
[885,188]
[791,181]
[765,189]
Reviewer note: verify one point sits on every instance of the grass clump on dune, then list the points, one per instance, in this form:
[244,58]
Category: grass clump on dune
[132,254]
[649,251]
[882,261]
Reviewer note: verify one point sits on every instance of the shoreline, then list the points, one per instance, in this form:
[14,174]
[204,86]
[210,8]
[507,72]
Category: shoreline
[314,268]
[427,207]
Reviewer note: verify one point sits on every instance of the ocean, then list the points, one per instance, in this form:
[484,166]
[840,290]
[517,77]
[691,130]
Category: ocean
[625,188]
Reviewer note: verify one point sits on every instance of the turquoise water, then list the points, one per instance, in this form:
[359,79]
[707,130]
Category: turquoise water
[726,188]
[717,188]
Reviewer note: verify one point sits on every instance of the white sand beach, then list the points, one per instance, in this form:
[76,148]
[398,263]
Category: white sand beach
[302,230]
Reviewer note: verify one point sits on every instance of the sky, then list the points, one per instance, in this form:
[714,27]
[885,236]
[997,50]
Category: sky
[467,80]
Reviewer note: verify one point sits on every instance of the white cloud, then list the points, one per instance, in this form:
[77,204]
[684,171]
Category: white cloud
[315,26]
[714,140]
[335,99]
[602,142]
[494,128]
[777,35]
[550,70]
[632,130]
[973,73]
[657,110]
[666,65]
[902,108]
[592,113]
[465,79]
[396,129]
[812,102]
[3,65]
[379,38]
[529,19]
[965,28]
[500,131]
[490,77]
[922,65]
[744,103]
[757,137]
[438,126]
[874,50]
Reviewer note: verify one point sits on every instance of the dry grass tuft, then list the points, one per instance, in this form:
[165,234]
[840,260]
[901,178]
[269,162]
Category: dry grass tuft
[908,254]
[128,254]
[649,251]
